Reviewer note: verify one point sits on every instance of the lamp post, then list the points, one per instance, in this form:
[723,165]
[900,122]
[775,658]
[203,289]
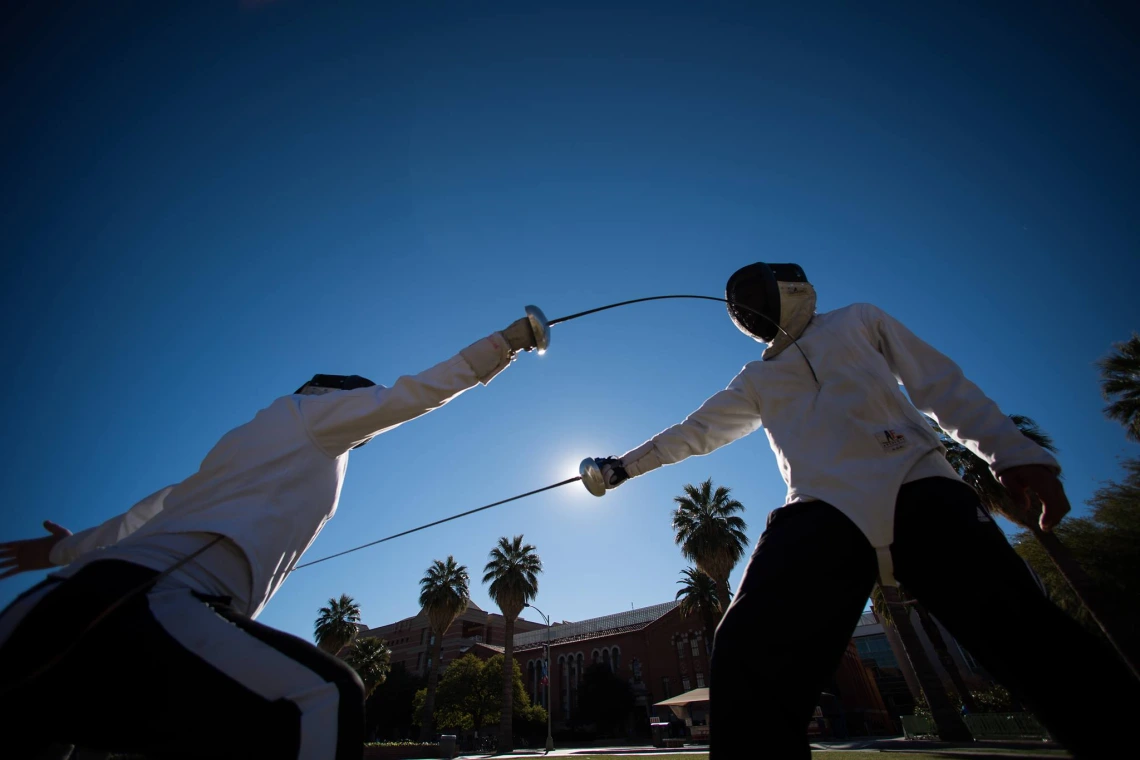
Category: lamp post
[549,704]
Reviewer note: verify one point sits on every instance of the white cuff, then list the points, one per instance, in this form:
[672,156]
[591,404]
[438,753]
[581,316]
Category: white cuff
[61,553]
[1039,457]
[641,460]
[488,357]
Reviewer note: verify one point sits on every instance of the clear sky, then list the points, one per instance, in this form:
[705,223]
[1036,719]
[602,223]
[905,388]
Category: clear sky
[205,203]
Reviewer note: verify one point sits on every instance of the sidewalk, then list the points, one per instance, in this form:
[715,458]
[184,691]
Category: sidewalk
[627,751]
[1019,750]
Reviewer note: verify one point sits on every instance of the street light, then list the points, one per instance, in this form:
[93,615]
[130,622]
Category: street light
[549,705]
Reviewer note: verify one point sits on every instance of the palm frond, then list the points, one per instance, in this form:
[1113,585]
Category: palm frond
[513,574]
[1120,385]
[444,593]
[707,529]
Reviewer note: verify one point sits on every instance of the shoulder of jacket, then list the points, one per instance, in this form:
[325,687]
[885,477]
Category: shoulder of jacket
[867,313]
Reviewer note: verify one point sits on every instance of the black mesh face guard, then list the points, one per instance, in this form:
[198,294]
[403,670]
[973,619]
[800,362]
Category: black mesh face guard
[756,288]
[326,383]
[321,384]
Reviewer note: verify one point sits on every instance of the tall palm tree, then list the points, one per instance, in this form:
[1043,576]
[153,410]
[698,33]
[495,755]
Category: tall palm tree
[930,627]
[443,595]
[709,532]
[698,596]
[371,658]
[996,499]
[513,574]
[937,641]
[336,625]
[891,609]
[1120,384]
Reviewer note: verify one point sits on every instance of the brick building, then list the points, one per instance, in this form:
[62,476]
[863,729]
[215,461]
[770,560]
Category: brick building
[661,655]
[411,639]
[881,650]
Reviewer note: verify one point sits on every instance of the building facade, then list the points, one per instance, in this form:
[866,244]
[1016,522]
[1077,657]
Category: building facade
[411,639]
[882,652]
[661,655]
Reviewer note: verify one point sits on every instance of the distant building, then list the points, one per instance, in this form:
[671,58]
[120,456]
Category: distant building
[881,650]
[411,639]
[661,655]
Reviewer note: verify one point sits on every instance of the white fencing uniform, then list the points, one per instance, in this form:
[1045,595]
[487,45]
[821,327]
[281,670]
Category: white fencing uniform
[268,487]
[855,438]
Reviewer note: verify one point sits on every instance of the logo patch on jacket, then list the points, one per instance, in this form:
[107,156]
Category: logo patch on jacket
[892,440]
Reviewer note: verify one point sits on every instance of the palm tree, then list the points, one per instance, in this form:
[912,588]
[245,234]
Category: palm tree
[891,609]
[930,627]
[443,595]
[934,634]
[370,657]
[698,596]
[710,533]
[513,574]
[996,499]
[1120,384]
[336,625]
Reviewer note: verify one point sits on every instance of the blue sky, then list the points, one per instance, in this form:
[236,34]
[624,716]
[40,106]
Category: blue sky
[206,203]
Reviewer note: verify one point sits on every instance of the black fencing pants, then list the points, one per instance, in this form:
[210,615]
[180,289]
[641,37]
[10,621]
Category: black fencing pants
[806,585]
[170,674]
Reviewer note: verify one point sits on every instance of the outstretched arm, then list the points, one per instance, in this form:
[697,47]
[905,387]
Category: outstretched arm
[61,546]
[725,417]
[338,421]
[30,553]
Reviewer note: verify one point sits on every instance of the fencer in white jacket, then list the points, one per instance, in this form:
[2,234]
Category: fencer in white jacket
[870,497]
[181,669]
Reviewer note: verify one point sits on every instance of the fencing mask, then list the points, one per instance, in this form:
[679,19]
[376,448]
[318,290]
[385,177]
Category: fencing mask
[321,384]
[756,287]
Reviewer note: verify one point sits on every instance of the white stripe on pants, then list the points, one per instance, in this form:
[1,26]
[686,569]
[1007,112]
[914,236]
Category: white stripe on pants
[253,664]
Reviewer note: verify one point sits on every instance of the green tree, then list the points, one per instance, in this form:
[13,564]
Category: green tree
[698,596]
[996,499]
[530,718]
[710,533]
[513,574]
[1120,384]
[443,595]
[1106,543]
[995,699]
[370,657]
[604,699]
[390,711]
[891,609]
[336,624]
[470,693]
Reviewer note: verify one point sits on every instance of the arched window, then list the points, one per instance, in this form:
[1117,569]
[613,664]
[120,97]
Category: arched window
[581,663]
[597,656]
[564,671]
[606,659]
[616,658]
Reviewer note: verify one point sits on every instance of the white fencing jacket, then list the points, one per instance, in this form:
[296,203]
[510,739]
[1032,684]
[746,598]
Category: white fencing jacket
[854,439]
[270,485]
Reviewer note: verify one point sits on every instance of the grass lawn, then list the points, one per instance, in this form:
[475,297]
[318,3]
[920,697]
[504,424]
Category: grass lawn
[848,755]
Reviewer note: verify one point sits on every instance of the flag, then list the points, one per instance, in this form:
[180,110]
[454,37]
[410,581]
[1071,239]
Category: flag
[545,674]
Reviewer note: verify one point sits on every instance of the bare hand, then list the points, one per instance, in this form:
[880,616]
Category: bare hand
[1036,480]
[31,553]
